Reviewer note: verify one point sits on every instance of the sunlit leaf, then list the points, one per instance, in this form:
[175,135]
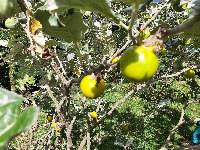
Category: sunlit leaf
[70,27]
[12,121]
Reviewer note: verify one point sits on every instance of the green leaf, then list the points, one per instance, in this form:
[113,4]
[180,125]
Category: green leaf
[130,1]
[100,6]
[8,8]
[125,1]
[176,5]
[11,22]
[7,97]
[69,27]
[12,121]
[193,31]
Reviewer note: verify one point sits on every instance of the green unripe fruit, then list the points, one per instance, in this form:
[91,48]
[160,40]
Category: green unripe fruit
[139,63]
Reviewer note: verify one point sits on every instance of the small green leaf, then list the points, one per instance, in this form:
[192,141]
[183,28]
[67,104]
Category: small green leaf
[11,22]
[69,27]
[193,31]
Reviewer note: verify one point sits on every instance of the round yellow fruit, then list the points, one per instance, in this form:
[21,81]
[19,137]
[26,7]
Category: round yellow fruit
[49,118]
[115,59]
[93,115]
[91,87]
[190,73]
[139,63]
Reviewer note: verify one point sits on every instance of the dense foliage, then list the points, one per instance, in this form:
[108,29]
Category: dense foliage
[48,46]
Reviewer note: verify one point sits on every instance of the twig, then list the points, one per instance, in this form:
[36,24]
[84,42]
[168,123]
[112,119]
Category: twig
[178,73]
[69,131]
[98,105]
[43,138]
[60,63]
[56,103]
[11,77]
[123,25]
[172,131]
[146,24]
[143,27]
[88,138]
[82,144]
[133,16]
[23,5]
[61,76]
[27,11]
[120,50]
[120,102]
[184,26]
[78,52]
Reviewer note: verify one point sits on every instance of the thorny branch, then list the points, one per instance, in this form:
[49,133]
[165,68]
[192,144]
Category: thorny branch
[54,99]
[60,74]
[69,131]
[27,11]
[60,62]
[172,131]
[179,73]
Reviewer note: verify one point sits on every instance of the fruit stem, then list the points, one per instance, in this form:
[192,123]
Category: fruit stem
[135,7]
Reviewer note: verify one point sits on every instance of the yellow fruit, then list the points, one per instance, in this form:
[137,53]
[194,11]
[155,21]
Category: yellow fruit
[55,124]
[93,115]
[91,87]
[50,118]
[190,73]
[116,59]
[35,25]
[56,127]
[139,63]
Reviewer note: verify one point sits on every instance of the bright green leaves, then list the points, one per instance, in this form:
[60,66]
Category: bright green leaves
[12,121]
[68,21]
[8,8]
[27,80]
[68,27]
[100,6]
